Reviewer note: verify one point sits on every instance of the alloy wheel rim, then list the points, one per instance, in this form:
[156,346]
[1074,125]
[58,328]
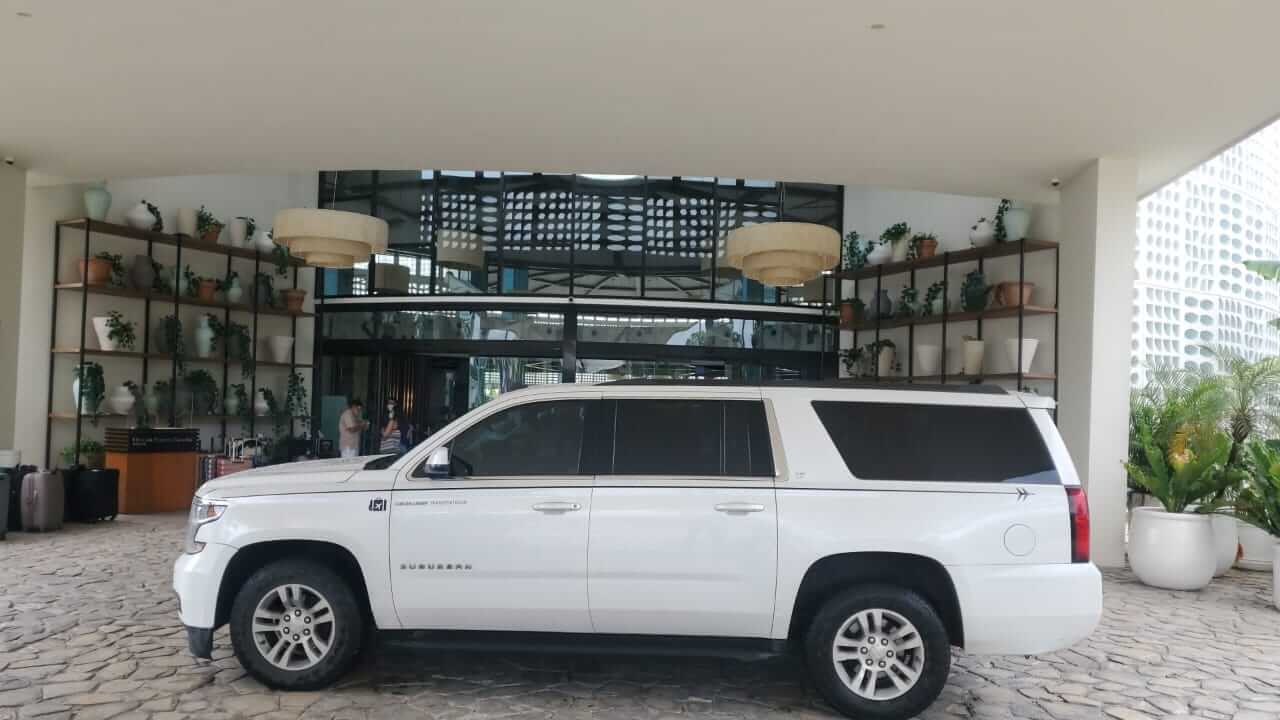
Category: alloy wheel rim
[293,627]
[878,654]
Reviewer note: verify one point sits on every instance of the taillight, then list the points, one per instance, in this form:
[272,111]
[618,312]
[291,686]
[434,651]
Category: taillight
[1078,505]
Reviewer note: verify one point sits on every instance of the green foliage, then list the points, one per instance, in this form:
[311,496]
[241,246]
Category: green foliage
[266,290]
[121,331]
[894,233]
[854,251]
[237,390]
[204,390]
[117,267]
[1258,502]
[250,225]
[160,284]
[296,400]
[239,345]
[171,329]
[192,279]
[853,359]
[205,221]
[934,292]
[907,303]
[157,224]
[91,452]
[226,283]
[973,292]
[913,251]
[280,257]
[1250,391]
[1190,470]
[93,388]
[1001,233]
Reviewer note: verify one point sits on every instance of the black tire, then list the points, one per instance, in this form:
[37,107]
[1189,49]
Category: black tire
[831,618]
[346,639]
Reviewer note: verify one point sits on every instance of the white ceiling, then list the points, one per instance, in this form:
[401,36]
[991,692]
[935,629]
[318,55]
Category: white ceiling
[987,97]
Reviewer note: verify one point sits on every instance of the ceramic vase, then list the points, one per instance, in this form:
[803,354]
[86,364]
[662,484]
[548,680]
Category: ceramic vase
[938,305]
[884,305]
[204,338]
[151,403]
[104,334]
[880,254]
[1016,221]
[121,400]
[279,347]
[293,299]
[1226,542]
[231,405]
[77,401]
[973,352]
[206,289]
[1028,345]
[234,292]
[901,247]
[262,240]
[237,230]
[97,201]
[1174,551]
[143,273]
[927,359]
[260,405]
[187,222]
[1013,294]
[982,234]
[884,361]
[140,217]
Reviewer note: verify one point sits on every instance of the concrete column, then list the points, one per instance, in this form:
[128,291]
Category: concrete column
[13,201]
[1098,231]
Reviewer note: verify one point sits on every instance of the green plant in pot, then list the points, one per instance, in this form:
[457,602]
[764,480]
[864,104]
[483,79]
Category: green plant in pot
[204,392]
[934,299]
[237,401]
[898,237]
[1172,546]
[88,388]
[207,226]
[974,291]
[882,356]
[853,251]
[1258,503]
[908,303]
[120,331]
[239,344]
[117,267]
[92,454]
[853,312]
[170,340]
[854,361]
[296,400]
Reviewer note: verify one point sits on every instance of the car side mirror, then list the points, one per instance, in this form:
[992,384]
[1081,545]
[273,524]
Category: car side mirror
[438,463]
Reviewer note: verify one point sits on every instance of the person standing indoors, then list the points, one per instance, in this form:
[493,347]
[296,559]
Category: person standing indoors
[391,431]
[350,426]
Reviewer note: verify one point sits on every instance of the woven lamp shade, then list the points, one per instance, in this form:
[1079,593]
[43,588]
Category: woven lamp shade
[330,238]
[459,249]
[783,253]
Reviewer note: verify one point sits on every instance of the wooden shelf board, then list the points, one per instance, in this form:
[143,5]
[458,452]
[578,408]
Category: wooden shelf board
[73,416]
[169,239]
[953,257]
[169,358]
[186,300]
[989,314]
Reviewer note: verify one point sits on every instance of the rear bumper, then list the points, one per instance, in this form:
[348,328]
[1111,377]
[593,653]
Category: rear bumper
[1027,609]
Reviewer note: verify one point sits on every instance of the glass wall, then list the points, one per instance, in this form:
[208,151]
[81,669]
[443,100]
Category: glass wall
[584,235]
[443,325]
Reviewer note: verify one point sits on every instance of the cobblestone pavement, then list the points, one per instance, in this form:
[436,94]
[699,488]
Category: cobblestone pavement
[88,630]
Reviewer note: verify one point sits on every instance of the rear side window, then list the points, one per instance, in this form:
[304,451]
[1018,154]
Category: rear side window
[705,438]
[937,443]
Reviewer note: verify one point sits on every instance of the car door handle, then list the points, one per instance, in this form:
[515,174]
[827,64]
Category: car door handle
[734,508]
[557,507]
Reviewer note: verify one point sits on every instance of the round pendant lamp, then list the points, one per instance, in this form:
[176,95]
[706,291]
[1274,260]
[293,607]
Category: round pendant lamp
[330,238]
[459,249]
[783,254]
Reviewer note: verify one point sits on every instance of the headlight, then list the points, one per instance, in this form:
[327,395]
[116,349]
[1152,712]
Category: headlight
[203,512]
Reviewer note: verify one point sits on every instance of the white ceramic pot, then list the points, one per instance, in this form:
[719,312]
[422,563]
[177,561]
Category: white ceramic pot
[187,222]
[1226,542]
[884,361]
[1174,551]
[880,254]
[103,332]
[900,249]
[238,231]
[204,338]
[260,406]
[139,217]
[982,234]
[231,404]
[938,305]
[927,359]
[1029,346]
[262,240]
[121,400]
[1016,221]
[279,346]
[973,352]
[77,401]
[1257,545]
[234,292]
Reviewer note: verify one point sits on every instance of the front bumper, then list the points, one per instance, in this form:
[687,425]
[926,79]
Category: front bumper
[200,642]
[197,579]
[1027,609]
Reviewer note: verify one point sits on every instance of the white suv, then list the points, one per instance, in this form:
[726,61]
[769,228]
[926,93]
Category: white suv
[868,529]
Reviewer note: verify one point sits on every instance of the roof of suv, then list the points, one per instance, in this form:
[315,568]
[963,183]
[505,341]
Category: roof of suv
[840,384]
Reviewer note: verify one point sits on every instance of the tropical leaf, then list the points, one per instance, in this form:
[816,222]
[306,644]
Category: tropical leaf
[1269,269]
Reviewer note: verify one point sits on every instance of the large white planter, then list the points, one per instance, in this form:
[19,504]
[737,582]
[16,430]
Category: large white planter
[279,347]
[973,352]
[237,231]
[1226,541]
[104,334]
[1174,551]
[885,361]
[121,400]
[1275,576]
[1029,346]
[927,359]
[880,255]
[1258,546]
[187,222]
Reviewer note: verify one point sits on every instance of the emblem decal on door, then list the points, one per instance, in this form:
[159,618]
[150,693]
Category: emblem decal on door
[435,566]
[378,505]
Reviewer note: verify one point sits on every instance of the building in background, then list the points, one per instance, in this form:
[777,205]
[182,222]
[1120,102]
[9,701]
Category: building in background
[1194,234]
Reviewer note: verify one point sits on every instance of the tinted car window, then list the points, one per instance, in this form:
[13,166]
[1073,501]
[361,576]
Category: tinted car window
[746,439]
[542,438]
[891,441]
[668,437]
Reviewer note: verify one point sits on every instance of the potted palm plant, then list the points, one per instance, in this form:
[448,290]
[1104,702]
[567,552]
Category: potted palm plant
[1258,503]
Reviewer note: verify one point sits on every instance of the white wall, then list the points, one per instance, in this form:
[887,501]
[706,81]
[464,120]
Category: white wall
[226,196]
[871,210]
[13,186]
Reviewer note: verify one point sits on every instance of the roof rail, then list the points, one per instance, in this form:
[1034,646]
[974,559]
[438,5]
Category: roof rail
[973,388]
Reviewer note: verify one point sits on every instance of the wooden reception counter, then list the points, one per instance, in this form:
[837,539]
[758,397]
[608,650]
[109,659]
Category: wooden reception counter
[158,467]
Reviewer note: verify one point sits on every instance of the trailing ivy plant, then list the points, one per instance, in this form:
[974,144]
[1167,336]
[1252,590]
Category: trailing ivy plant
[239,347]
[225,283]
[280,257]
[204,391]
[157,224]
[854,251]
[117,267]
[973,292]
[193,281]
[1001,234]
[171,329]
[931,295]
[296,400]
[139,404]
[265,289]
[853,359]
[93,388]
[250,225]
[894,233]
[873,355]
[205,221]
[121,331]
[907,306]
[238,391]
[160,279]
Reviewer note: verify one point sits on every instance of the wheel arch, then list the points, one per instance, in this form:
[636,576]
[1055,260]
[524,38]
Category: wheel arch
[250,558]
[834,573]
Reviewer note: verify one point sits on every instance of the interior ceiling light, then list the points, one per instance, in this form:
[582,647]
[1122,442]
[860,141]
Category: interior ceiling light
[783,254]
[459,249]
[878,26]
[330,238]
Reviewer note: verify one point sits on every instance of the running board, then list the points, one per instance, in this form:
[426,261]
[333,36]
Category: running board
[584,643]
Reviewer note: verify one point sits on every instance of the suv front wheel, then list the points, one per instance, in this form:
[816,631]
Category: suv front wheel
[296,625]
[878,652]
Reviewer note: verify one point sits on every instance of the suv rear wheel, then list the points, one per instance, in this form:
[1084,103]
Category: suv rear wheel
[878,652]
[296,625]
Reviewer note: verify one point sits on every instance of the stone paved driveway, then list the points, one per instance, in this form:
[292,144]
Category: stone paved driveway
[88,630]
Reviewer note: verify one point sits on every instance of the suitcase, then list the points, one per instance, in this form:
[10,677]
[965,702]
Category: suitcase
[43,500]
[14,520]
[92,494]
[4,503]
